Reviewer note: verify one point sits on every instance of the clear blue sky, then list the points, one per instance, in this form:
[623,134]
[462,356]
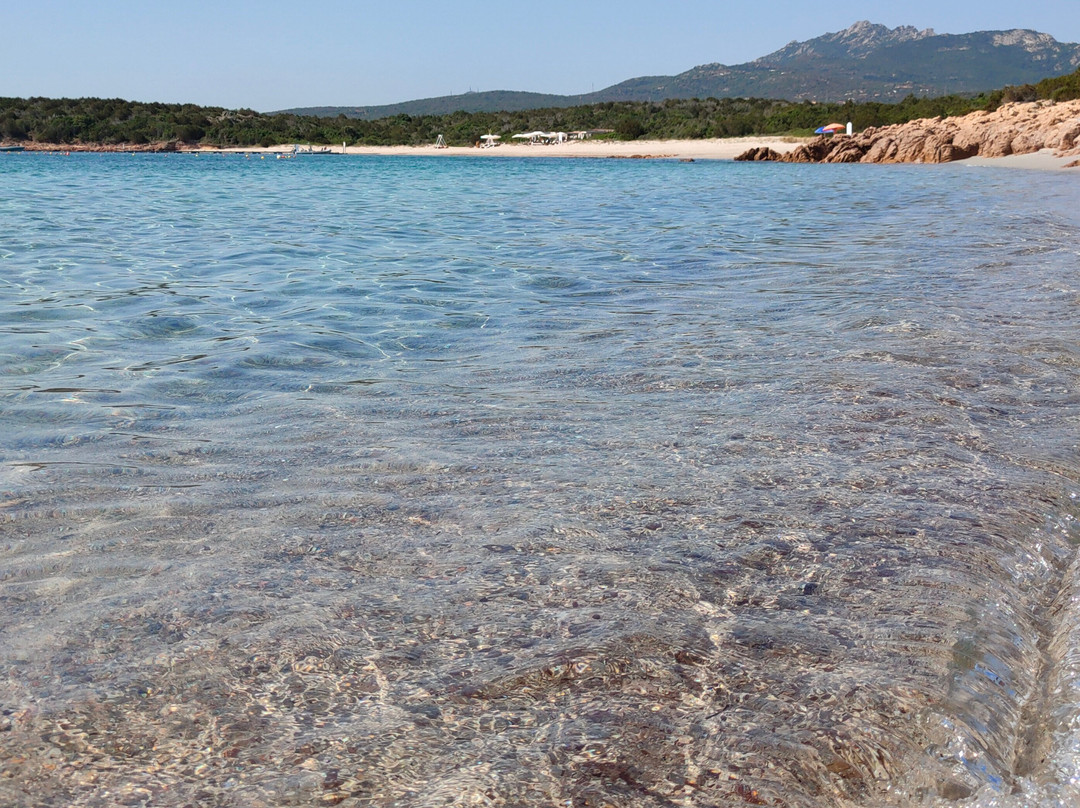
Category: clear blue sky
[272,55]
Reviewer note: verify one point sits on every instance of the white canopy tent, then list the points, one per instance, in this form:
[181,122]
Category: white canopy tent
[538,136]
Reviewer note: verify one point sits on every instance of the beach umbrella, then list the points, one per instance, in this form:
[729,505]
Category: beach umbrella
[490,138]
[830,129]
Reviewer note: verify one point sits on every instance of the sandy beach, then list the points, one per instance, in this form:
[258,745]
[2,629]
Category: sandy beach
[714,149]
[1042,160]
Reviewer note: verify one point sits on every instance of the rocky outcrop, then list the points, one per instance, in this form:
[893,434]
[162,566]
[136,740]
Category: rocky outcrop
[125,148]
[1010,129]
[760,153]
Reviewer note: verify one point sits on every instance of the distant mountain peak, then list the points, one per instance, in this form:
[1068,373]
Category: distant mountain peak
[864,62]
[866,36]
[854,42]
[864,30]
[1029,40]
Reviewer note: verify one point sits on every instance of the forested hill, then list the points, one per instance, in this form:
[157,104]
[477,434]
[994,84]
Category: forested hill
[865,62]
[118,124]
[489,101]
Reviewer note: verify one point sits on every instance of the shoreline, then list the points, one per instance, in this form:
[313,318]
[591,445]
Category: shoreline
[706,149]
[710,149]
[1042,160]
[685,150]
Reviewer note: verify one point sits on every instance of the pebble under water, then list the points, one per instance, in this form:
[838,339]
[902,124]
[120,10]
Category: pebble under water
[425,482]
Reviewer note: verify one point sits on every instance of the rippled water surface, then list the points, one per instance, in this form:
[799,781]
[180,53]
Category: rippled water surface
[392,481]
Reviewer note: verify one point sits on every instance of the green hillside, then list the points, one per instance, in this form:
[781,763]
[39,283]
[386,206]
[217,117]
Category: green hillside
[491,101]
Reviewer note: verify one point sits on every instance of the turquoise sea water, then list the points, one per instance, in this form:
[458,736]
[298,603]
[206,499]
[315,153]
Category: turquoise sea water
[408,481]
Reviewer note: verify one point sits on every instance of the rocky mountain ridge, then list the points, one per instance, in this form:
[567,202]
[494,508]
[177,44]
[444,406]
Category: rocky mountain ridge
[855,42]
[868,62]
[864,62]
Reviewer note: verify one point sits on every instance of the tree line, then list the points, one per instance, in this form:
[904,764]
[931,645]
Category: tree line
[119,123]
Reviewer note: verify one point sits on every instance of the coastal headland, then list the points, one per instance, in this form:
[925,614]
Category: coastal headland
[1039,134]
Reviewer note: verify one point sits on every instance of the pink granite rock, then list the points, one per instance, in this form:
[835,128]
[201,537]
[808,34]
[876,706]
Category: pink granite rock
[1011,129]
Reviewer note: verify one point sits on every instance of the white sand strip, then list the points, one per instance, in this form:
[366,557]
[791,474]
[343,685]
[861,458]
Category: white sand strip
[1043,160]
[714,149]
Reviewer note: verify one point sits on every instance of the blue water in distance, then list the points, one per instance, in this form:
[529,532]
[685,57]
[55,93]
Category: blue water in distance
[410,480]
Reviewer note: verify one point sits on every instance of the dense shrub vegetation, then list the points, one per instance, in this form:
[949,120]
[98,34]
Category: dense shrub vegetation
[1060,88]
[113,122]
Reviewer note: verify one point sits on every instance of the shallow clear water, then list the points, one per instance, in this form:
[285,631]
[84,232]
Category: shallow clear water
[393,481]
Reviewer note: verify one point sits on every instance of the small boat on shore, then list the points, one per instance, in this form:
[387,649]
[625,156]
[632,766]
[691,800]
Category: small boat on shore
[12,148]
